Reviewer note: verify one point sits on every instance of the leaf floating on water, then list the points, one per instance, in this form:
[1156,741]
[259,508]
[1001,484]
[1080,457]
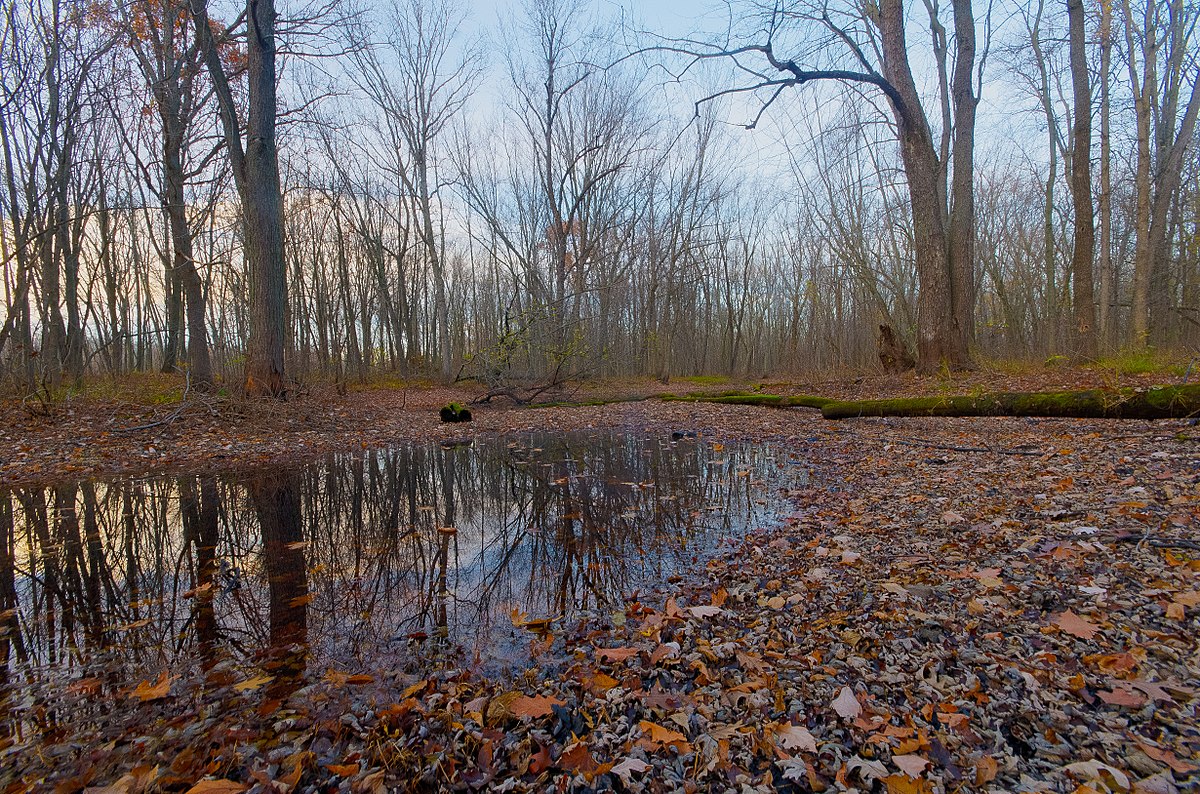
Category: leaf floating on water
[846,704]
[146,691]
[1076,626]
[251,684]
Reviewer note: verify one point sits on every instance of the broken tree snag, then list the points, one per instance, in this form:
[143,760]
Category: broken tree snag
[893,353]
[1157,402]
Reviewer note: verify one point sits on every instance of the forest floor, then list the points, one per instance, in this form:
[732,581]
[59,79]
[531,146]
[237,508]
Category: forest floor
[952,605]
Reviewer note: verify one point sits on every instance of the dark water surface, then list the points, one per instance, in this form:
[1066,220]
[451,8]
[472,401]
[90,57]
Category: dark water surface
[412,556]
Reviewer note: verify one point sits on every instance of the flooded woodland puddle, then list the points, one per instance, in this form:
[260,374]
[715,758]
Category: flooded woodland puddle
[414,557]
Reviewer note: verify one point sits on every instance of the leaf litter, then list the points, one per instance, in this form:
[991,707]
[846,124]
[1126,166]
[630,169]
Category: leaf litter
[928,620]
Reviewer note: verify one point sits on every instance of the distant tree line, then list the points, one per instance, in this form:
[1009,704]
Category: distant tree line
[262,195]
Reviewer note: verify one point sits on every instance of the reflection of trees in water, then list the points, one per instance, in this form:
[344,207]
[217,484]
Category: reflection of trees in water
[350,556]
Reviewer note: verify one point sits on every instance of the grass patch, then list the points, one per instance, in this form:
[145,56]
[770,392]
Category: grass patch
[1144,362]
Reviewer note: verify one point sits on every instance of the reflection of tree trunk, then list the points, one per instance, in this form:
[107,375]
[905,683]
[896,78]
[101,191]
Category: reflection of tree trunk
[34,505]
[441,618]
[8,608]
[277,505]
[200,529]
[95,564]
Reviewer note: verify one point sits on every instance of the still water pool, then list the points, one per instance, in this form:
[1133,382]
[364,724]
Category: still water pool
[411,556]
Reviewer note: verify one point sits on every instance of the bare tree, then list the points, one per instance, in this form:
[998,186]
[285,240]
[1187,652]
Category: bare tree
[1162,72]
[255,166]
[419,84]
[1083,251]
[868,47]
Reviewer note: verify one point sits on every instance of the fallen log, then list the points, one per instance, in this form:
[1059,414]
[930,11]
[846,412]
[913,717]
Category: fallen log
[1157,402]
[765,400]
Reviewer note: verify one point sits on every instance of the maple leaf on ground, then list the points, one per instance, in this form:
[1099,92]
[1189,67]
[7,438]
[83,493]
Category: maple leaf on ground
[627,767]
[1167,757]
[216,787]
[1076,626]
[911,765]
[1097,771]
[796,737]
[615,654]
[705,611]
[577,758]
[536,706]
[658,736]
[846,705]
[1121,697]
[257,682]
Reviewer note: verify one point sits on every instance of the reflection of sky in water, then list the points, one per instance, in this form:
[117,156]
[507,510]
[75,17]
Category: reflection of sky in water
[400,557]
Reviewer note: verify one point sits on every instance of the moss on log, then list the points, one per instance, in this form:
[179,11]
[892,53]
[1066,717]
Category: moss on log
[1156,402]
[748,398]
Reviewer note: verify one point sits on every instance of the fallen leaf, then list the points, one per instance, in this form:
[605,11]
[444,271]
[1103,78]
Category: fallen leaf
[986,770]
[846,705]
[577,758]
[657,736]
[343,770]
[146,691]
[796,737]
[615,654]
[1167,757]
[1076,626]
[251,684]
[705,611]
[1097,770]
[911,765]
[216,787]
[536,706]
[628,766]
[1121,697]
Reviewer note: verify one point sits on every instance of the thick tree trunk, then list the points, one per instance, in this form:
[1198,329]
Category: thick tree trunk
[962,186]
[939,337]
[1107,277]
[262,205]
[256,172]
[1083,308]
[1164,402]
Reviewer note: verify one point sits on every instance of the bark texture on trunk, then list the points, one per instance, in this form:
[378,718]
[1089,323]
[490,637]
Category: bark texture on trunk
[1083,300]
[256,173]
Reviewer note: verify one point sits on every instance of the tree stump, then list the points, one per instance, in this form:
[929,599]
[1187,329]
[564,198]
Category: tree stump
[893,353]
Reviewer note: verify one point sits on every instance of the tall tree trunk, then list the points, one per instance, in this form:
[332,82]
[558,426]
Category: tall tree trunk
[256,173]
[962,187]
[939,338]
[1107,277]
[1082,290]
[184,272]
